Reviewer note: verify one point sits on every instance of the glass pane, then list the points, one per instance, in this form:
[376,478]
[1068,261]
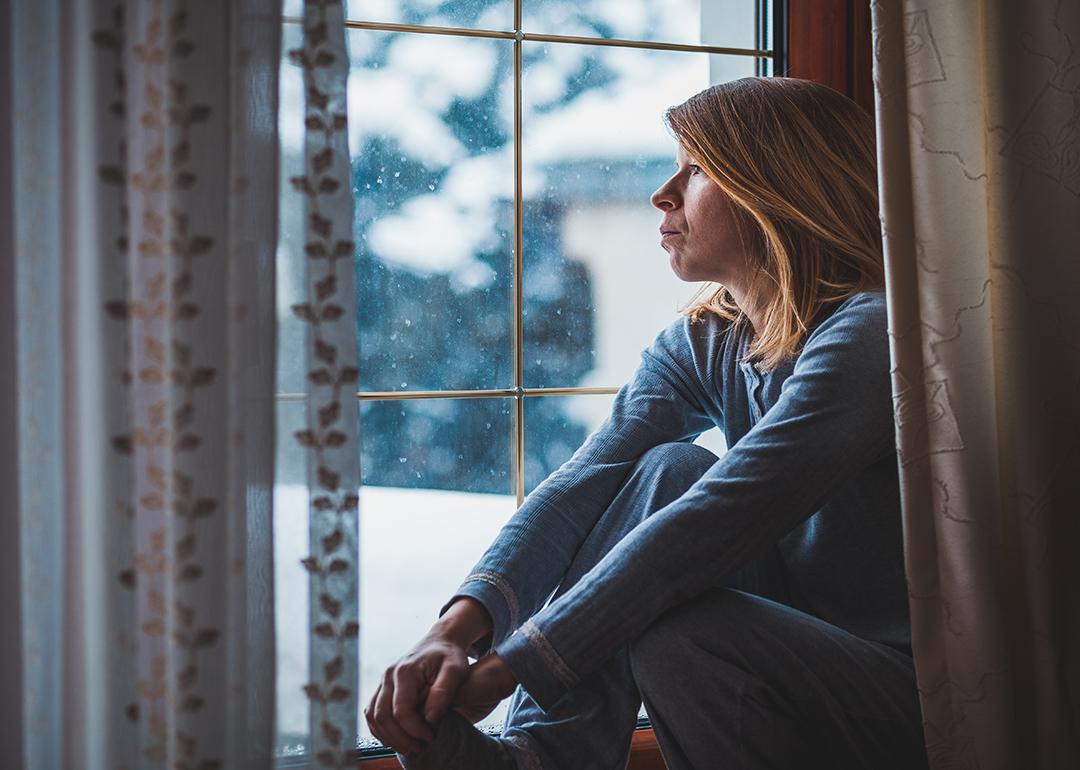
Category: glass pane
[291,581]
[459,445]
[555,426]
[431,138]
[291,365]
[730,23]
[437,486]
[597,287]
[474,14]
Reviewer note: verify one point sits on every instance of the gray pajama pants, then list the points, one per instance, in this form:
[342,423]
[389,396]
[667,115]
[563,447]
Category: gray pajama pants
[735,679]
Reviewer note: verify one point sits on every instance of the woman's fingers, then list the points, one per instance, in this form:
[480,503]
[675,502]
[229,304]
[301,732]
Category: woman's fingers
[388,730]
[408,683]
[369,715]
[442,691]
[489,680]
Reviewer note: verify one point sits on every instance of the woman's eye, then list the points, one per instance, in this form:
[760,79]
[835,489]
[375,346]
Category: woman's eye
[694,170]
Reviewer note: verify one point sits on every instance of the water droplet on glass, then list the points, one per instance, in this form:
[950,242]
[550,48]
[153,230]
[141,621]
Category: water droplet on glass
[401,459]
[397,174]
[408,322]
[431,187]
[404,384]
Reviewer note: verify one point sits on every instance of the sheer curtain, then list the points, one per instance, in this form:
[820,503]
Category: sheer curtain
[979,154]
[138,204]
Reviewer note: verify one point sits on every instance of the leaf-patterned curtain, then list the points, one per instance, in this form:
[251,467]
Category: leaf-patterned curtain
[978,107]
[141,215]
[324,192]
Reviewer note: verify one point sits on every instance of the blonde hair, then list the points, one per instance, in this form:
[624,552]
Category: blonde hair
[798,160]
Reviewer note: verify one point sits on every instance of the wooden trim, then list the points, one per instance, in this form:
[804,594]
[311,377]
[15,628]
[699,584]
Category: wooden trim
[862,57]
[645,752]
[829,41]
[644,755]
[11,635]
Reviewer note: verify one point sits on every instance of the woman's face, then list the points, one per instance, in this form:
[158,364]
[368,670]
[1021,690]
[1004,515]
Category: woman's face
[699,229]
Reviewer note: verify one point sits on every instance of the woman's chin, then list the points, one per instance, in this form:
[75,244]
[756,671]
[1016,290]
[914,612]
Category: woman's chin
[679,271]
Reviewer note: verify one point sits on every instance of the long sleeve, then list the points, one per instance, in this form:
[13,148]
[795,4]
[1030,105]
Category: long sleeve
[833,419]
[670,398]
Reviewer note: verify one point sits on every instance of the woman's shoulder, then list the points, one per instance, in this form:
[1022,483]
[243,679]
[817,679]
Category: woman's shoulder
[692,344]
[856,331]
[866,310]
[690,333]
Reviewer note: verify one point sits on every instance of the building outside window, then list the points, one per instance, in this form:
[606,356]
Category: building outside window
[508,273]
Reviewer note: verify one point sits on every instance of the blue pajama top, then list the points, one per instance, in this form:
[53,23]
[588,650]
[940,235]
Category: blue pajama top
[811,466]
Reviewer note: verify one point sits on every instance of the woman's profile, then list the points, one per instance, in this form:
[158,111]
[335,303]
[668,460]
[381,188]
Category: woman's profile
[755,602]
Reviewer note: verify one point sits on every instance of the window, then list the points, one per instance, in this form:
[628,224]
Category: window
[509,271]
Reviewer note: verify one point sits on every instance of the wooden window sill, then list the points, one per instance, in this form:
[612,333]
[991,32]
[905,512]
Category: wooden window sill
[644,755]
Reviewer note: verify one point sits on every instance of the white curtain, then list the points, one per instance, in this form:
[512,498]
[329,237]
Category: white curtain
[139,201]
[324,191]
[978,107]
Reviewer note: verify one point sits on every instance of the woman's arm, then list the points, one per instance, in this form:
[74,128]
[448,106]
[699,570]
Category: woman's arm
[832,420]
[672,397]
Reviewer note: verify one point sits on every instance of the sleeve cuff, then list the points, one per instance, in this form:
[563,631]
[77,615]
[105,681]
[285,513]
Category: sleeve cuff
[536,665]
[498,599]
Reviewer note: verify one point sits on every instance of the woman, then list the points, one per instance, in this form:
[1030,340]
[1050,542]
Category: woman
[755,602]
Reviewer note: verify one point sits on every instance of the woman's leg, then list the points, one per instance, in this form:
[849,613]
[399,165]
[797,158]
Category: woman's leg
[732,680]
[591,726]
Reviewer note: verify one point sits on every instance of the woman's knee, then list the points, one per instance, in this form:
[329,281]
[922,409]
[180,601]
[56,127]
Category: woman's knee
[675,460]
[722,626]
[663,474]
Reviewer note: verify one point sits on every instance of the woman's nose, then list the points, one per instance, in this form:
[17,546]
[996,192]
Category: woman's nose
[663,198]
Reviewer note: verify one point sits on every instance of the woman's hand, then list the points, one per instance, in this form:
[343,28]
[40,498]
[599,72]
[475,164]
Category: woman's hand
[419,688]
[428,674]
[489,680]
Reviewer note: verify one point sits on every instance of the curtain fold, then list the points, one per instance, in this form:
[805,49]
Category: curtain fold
[143,155]
[978,109]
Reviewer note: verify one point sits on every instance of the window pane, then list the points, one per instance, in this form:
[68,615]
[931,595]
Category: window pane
[728,23]
[473,14]
[291,581]
[459,445]
[597,287]
[555,426]
[430,120]
[291,364]
[437,486]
